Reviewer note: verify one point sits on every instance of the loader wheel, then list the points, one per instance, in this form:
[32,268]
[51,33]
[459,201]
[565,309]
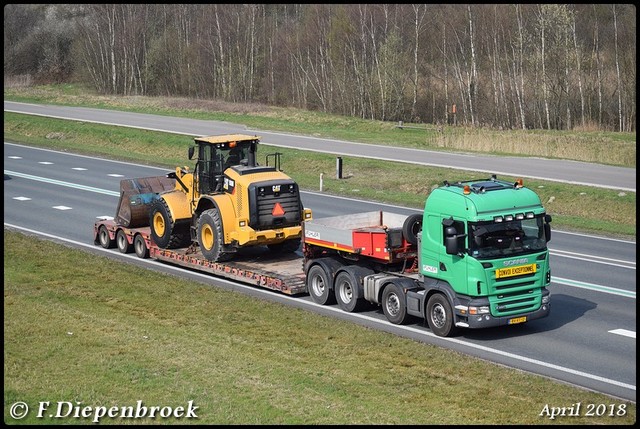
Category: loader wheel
[440,316]
[165,233]
[105,239]
[288,246]
[140,246]
[122,242]
[393,304]
[210,236]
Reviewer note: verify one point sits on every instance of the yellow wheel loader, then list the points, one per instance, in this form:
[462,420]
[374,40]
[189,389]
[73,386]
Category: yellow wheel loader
[229,201]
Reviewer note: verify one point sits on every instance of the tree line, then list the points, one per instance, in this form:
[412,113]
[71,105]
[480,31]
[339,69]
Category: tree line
[511,66]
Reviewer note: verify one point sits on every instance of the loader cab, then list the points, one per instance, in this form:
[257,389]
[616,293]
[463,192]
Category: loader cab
[218,153]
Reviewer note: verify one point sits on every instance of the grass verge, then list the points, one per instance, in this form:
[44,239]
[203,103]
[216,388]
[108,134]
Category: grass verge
[577,208]
[77,330]
[613,148]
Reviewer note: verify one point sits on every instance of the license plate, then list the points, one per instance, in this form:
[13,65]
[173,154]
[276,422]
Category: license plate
[517,320]
[515,271]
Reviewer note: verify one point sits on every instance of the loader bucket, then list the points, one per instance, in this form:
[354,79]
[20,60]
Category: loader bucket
[136,196]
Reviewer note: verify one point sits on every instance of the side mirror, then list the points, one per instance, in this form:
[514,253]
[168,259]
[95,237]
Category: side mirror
[192,151]
[451,240]
[547,227]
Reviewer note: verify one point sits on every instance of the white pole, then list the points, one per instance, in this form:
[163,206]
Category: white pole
[321,179]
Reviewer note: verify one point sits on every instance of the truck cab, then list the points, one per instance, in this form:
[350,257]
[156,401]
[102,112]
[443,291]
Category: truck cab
[484,244]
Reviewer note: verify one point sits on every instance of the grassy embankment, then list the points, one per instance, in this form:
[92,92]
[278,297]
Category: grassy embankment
[77,330]
[578,208]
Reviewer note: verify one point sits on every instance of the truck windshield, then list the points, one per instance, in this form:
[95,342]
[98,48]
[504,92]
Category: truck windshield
[517,237]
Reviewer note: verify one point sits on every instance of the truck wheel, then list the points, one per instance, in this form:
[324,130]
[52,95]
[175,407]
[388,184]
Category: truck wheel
[288,246]
[122,242]
[140,246]
[411,227]
[440,316]
[105,239]
[348,290]
[393,304]
[319,285]
[163,229]
[210,236]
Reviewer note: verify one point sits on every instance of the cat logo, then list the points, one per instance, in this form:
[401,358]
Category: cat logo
[275,188]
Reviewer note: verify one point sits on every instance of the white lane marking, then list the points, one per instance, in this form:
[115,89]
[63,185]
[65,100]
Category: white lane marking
[591,258]
[61,208]
[623,332]
[593,286]
[22,198]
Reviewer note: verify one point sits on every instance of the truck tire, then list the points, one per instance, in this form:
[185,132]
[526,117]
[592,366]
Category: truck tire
[105,239]
[165,233]
[394,304]
[210,236]
[122,242]
[411,227]
[440,316]
[288,246]
[348,288]
[140,247]
[319,285]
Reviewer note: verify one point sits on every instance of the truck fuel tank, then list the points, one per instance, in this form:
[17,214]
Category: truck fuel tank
[136,196]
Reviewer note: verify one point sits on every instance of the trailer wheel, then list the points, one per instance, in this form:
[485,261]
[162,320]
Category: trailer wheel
[122,242]
[348,288]
[105,239]
[411,227]
[440,316]
[319,285]
[140,247]
[210,236]
[165,233]
[393,304]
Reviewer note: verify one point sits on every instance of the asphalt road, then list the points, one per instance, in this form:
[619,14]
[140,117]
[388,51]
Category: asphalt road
[588,340]
[546,169]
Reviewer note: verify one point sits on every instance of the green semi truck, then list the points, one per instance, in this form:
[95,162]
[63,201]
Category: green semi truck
[476,257]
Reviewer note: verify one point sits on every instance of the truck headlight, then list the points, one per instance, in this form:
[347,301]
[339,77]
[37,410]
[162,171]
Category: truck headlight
[479,310]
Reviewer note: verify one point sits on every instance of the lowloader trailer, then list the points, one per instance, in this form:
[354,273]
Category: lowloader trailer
[476,257]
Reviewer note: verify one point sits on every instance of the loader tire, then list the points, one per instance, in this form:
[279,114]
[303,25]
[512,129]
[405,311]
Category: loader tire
[164,231]
[210,236]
